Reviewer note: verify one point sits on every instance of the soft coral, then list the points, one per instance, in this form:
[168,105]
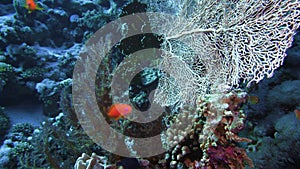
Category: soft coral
[227,157]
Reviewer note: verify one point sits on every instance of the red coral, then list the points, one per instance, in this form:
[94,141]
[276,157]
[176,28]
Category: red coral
[227,157]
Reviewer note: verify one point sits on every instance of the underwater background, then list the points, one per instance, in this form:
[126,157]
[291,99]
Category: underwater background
[39,127]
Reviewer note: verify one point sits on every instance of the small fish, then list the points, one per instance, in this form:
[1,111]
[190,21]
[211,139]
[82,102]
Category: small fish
[119,110]
[30,5]
[297,113]
[253,99]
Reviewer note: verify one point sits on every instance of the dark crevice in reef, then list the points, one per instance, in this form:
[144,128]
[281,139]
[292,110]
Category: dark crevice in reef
[15,94]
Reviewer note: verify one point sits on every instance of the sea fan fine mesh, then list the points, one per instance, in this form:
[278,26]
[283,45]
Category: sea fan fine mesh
[211,43]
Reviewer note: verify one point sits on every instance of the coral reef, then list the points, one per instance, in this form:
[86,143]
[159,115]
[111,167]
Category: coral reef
[281,149]
[203,138]
[215,49]
[6,70]
[50,94]
[92,162]
[212,139]
[45,44]
[17,146]
[4,121]
[284,96]
[51,145]
[100,162]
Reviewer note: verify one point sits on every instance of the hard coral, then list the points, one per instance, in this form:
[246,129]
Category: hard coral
[91,162]
[210,139]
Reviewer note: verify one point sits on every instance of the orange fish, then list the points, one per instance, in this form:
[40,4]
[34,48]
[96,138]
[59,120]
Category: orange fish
[297,113]
[30,5]
[119,110]
[252,99]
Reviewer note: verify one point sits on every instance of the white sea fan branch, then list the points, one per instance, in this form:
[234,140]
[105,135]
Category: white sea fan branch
[209,43]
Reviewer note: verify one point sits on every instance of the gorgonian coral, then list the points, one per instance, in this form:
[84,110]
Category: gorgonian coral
[211,43]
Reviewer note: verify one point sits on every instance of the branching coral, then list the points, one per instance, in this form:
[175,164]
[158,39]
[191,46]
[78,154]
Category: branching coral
[92,162]
[215,43]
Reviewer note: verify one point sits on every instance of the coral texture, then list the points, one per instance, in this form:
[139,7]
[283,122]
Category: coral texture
[211,141]
[233,42]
